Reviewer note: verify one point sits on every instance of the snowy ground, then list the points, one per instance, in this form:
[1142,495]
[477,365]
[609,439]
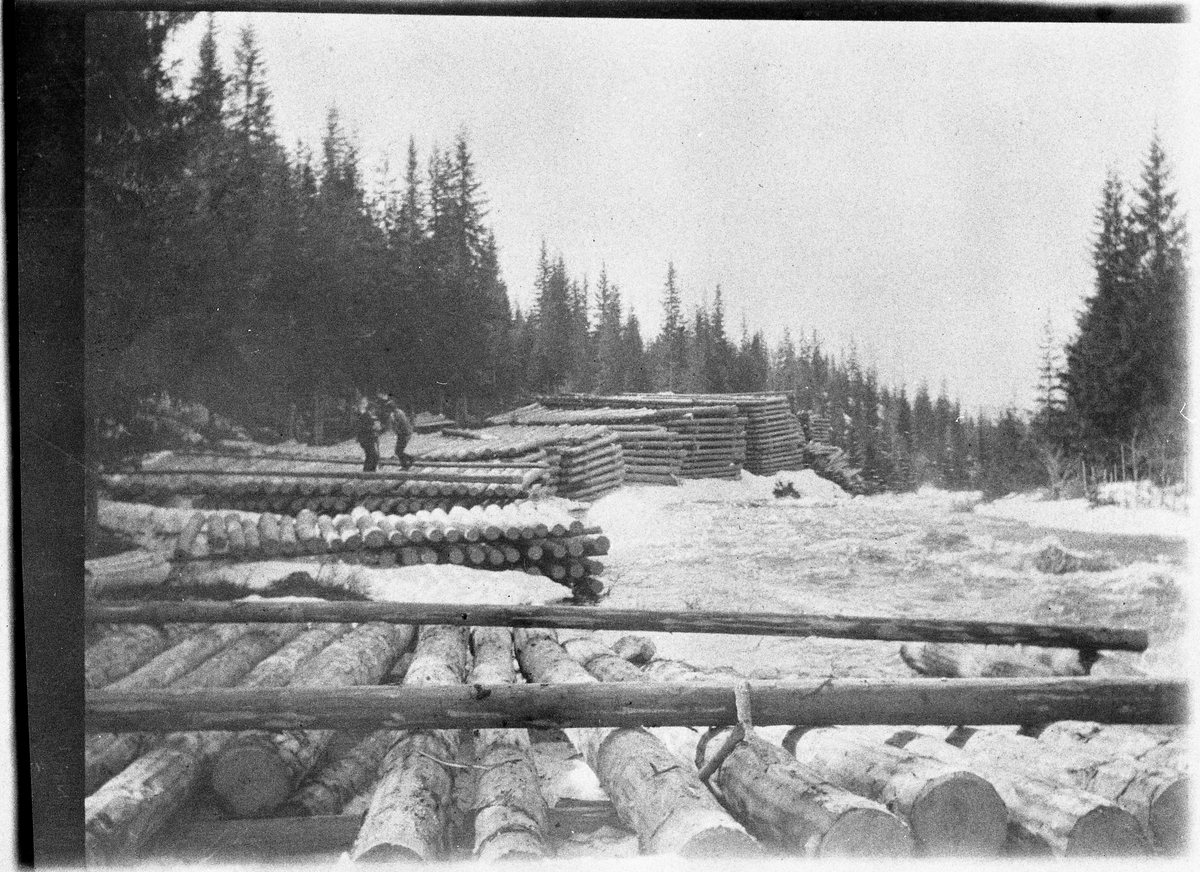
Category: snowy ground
[733,545]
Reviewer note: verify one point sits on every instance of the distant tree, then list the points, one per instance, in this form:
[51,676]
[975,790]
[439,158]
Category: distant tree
[636,366]
[672,341]
[609,356]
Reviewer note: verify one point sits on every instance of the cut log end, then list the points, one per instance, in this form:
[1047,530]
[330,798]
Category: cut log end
[251,780]
[1169,817]
[1107,831]
[865,832]
[959,814]
[721,843]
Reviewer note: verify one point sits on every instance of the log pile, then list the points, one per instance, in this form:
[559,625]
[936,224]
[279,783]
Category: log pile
[658,443]
[771,435]
[827,791]
[257,772]
[540,538]
[125,815]
[653,454]
[1155,795]
[789,806]
[586,460]
[292,483]
[817,428]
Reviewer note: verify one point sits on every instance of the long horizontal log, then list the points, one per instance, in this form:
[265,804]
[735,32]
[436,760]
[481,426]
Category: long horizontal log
[811,702]
[674,621]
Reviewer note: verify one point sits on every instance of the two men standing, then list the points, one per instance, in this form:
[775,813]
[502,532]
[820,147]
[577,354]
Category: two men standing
[370,424]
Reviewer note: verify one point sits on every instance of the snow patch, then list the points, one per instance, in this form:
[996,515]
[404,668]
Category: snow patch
[1080,516]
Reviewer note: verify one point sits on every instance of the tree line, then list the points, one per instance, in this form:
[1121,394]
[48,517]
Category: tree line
[273,284]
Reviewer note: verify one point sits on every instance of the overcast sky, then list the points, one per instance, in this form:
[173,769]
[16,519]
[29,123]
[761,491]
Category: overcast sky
[925,190]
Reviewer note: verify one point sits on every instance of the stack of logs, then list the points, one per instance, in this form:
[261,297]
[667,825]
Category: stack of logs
[654,454]
[533,537]
[772,436]
[289,485]
[818,428]
[590,461]
[1080,789]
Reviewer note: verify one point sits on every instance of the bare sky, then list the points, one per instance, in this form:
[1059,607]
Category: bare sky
[926,190]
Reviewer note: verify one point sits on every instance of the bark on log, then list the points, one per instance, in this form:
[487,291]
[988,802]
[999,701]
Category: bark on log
[951,810]
[257,772]
[776,798]
[105,756]
[1164,747]
[793,806]
[409,815]
[126,648]
[328,789]
[653,793]
[825,702]
[991,661]
[669,621]
[1044,815]
[128,811]
[1157,797]
[181,658]
[510,811]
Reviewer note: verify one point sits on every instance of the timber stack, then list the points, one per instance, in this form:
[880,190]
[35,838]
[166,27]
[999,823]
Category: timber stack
[773,439]
[587,459]
[433,793]
[536,537]
[283,484]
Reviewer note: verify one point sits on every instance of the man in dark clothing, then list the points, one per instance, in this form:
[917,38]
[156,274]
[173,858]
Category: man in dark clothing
[400,424]
[367,431]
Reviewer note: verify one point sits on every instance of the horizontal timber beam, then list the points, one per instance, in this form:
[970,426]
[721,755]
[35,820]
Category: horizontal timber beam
[572,617]
[814,702]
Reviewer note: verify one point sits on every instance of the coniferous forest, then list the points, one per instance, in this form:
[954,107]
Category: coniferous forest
[273,283]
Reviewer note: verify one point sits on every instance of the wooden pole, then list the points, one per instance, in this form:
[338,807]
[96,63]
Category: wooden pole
[680,621]
[814,702]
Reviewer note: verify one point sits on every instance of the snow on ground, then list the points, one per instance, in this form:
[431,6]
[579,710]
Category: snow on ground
[1080,515]
[732,545]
